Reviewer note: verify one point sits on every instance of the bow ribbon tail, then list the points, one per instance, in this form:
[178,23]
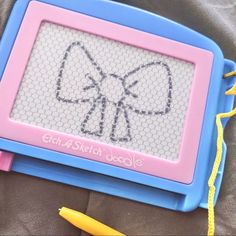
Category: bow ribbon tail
[93,123]
[121,125]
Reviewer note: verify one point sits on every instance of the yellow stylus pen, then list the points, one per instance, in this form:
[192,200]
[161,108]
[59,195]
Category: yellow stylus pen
[87,223]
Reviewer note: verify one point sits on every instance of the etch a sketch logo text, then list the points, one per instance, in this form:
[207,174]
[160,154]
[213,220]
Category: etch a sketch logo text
[74,145]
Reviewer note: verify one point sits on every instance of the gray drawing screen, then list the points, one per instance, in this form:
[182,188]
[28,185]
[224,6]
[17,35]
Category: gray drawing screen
[101,89]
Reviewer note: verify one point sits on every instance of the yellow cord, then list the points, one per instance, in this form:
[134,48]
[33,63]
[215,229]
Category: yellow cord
[211,181]
[230,74]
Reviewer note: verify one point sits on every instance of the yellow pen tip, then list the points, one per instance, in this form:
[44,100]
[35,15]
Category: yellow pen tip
[86,223]
[67,212]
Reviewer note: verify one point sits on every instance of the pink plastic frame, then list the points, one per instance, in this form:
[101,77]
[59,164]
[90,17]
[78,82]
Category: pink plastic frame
[181,170]
[6,160]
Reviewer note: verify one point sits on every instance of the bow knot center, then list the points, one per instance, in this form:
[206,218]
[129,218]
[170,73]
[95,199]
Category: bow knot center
[112,88]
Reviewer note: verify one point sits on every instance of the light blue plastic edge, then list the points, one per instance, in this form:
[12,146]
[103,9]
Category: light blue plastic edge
[229,66]
[128,184]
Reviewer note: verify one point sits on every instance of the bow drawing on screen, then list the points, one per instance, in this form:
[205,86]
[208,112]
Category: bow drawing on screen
[98,89]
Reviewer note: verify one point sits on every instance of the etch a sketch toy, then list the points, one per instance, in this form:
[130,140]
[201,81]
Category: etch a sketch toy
[111,98]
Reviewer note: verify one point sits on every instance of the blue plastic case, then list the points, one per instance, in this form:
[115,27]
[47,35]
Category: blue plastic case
[121,182]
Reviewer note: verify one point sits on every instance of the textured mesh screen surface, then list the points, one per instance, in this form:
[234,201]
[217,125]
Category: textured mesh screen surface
[86,85]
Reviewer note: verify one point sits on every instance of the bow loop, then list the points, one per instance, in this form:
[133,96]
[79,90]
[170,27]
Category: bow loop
[78,66]
[149,89]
